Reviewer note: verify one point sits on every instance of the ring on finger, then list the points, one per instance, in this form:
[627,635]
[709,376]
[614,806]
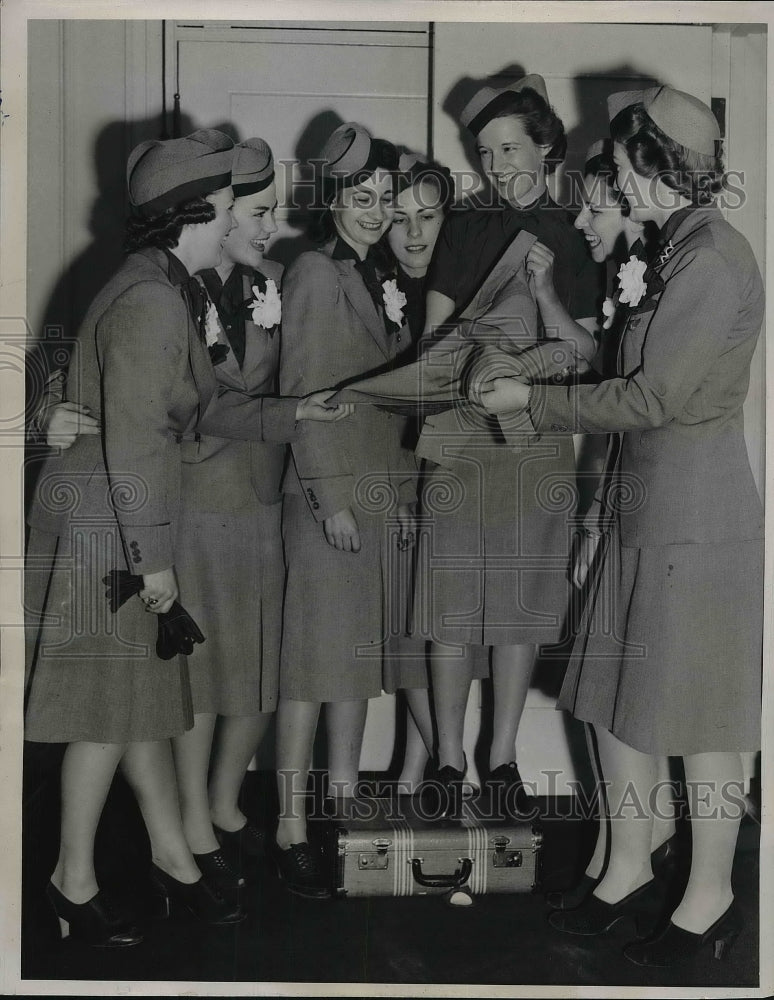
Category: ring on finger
[152,601]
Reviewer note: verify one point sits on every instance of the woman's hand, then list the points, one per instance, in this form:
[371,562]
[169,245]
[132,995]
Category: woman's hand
[159,591]
[503,395]
[584,555]
[407,522]
[65,421]
[313,407]
[491,363]
[342,532]
[540,266]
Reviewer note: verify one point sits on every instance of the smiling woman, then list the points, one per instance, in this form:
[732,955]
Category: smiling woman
[342,486]
[120,501]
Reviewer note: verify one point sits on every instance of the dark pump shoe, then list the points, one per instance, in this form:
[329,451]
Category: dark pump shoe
[299,868]
[93,922]
[673,945]
[247,842]
[663,861]
[509,796]
[452,792]
[594,916]
[215,868]
[201,898]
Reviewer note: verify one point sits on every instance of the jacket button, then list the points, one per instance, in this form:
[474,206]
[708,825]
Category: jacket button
[398,338]
[634,323]
[315,506]
[136,558]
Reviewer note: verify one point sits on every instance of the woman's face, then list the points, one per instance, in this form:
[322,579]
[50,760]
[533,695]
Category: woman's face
[208,237]
[511,160]
[362,214]
[416,222]
[600,219]
[642,193]
[254,226]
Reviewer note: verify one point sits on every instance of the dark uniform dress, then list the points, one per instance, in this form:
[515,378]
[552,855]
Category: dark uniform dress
[230,566]
[339,606]
[670,659]
[501,517]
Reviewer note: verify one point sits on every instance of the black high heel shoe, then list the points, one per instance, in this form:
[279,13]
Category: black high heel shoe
[594,916]
[449,785]
[201,898]
[673,945]
[663,861]
[509,796]
[247,842]
[218,872]
[93,922]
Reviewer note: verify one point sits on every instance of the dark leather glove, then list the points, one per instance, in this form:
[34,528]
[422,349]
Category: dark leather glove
[177,630]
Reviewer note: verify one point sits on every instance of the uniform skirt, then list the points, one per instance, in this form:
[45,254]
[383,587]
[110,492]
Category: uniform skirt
[668,658]
[231,576]
[492,566]
[94,675]
[336,632]
[406,663]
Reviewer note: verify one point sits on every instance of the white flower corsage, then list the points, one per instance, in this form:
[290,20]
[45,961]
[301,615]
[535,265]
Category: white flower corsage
[631,279]
[267,307]
[608,311]
[394,301]
[211,325]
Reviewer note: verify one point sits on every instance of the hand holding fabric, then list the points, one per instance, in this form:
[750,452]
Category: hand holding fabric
[65,421]
[504,395]
[316,407]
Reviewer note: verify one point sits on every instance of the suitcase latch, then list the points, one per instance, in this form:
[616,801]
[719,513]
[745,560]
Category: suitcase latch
[374,861]
[503,858]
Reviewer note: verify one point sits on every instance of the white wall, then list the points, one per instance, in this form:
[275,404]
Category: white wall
[94,92]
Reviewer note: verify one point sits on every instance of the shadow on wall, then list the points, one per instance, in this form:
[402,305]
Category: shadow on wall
[311,140]
[77,286]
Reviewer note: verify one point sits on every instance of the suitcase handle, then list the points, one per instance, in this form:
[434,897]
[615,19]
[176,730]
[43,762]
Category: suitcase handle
[460,877]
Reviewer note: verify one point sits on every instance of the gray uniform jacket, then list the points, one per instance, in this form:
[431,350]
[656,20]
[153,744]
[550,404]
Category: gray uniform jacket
[686,356]
[222,474]
[333,332]
[141,366]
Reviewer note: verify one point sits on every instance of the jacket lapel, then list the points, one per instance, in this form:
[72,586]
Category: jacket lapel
[199,359]
[360,300]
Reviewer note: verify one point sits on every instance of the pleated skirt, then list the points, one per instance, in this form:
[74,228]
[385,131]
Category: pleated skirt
[668,657]
[492,564]
[94,675]
[231,576]
[337,614]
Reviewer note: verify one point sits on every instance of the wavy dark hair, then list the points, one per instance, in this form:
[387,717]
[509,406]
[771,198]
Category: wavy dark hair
[602,167]
[321,226]
[541,123]
[384,258]
[164,230]
[696,176]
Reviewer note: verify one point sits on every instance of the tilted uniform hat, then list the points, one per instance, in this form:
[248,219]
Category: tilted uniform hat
[253,168]
[351,155]
[489,101]
[412,169]
[682,117]
[161,173]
